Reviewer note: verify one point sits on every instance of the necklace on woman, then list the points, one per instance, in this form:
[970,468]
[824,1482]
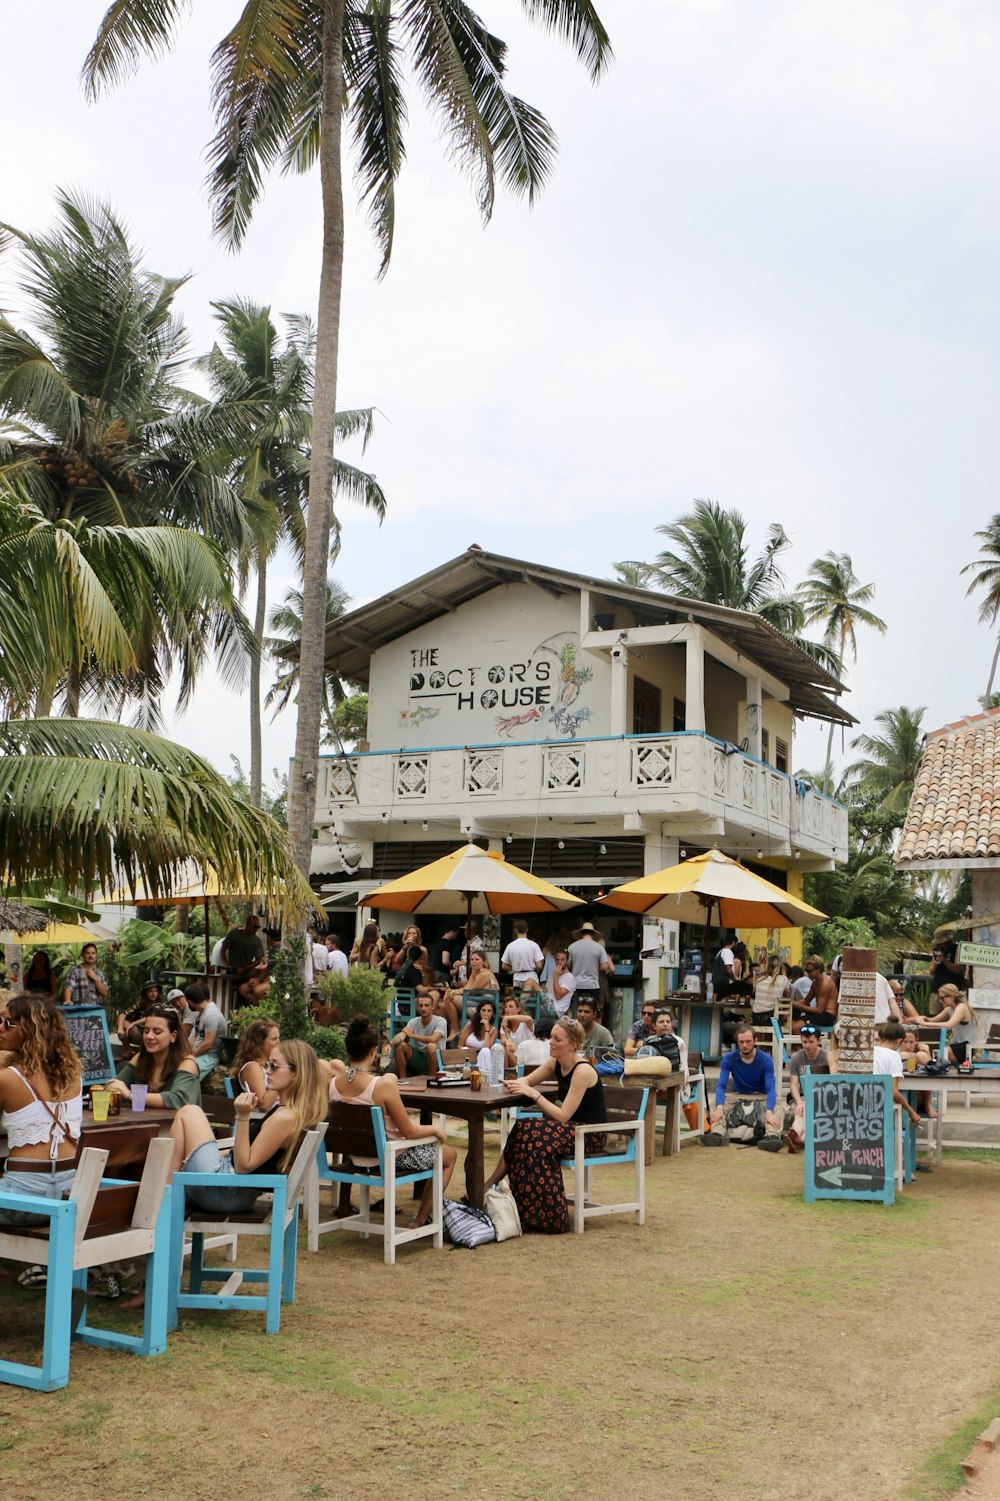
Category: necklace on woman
[357,1068]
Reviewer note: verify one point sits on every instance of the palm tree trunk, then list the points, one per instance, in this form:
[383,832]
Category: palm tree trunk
[993,670]
[302,781]
[258,632]
[72,709]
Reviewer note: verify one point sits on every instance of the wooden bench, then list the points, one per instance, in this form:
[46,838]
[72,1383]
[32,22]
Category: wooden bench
[353,1132]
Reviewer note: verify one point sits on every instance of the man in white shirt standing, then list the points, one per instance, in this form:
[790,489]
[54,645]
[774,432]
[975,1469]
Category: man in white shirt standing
[522,957]
[320,958]
[336,958]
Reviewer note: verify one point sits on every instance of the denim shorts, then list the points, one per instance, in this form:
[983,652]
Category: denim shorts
[38,1186]
[229,1197]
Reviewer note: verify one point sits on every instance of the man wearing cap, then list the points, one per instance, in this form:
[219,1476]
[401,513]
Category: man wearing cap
[588,958]
[810,1057]
[178,1000]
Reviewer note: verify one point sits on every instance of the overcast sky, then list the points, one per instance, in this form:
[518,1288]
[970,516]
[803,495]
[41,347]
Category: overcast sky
[764,271]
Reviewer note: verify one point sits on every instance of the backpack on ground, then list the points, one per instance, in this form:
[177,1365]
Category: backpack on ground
[745,1121]
[465,1226]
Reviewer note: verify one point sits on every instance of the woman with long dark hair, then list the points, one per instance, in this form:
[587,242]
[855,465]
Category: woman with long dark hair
[38,976]
[258,1041]
[358,1084]
[164,1063]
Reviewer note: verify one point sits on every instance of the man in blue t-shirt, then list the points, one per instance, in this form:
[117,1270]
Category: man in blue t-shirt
[751,1072]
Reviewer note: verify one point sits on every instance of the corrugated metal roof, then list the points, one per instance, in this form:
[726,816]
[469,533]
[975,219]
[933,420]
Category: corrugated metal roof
[351,640]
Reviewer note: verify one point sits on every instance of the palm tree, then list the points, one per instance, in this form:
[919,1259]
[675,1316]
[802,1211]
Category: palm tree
[273,386]
[89,804]
[711,562]
[987,576]
[102,453]
[891,760]
[832,594]
[287,76]
[286,621]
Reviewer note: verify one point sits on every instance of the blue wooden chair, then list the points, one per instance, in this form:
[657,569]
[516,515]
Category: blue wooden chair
[101,1221]
[353,1133]
[276,1219]
[626,1116]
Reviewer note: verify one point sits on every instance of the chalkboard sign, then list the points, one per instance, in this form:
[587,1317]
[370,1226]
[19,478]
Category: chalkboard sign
[849,1137]
[88,1032]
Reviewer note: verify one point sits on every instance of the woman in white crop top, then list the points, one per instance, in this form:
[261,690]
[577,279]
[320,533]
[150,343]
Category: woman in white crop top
[41,1101]
[358,1084]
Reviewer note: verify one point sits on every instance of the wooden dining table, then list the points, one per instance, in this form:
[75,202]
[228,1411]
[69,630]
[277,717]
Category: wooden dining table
[465,1104]
[126,1136]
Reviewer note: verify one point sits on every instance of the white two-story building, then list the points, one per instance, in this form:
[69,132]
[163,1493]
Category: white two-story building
[593,731]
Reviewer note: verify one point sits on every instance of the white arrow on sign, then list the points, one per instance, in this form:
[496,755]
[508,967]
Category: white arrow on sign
[838,1177]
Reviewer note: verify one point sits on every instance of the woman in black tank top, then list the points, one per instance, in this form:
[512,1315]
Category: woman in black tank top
[535,1148]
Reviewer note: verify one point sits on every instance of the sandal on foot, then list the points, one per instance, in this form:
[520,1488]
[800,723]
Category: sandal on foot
[33,1276]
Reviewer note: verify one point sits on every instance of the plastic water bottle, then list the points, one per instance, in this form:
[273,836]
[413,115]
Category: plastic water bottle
[498,1059]
[485,1060]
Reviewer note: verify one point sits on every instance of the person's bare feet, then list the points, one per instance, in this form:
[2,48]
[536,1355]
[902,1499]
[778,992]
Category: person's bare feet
[137,1300]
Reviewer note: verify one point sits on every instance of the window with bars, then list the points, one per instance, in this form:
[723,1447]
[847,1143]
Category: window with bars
[765,745]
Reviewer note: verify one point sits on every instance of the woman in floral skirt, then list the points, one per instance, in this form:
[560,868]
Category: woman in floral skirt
[534,1149]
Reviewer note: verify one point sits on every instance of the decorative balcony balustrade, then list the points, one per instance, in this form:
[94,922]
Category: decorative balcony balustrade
[667,776]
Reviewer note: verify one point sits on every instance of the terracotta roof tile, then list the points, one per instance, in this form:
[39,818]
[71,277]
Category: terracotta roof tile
[954,812]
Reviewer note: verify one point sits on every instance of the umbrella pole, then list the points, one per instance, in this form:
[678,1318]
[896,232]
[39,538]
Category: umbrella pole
[705,950]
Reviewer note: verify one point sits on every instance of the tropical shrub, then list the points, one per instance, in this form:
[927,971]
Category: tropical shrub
[359,992]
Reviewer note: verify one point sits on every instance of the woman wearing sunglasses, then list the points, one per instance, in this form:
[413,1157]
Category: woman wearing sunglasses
[265,1144]
[164,1063]
[41,1101]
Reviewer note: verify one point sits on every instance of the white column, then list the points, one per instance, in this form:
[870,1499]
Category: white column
[694,682]
[619,691]
[658,853]
[753,716]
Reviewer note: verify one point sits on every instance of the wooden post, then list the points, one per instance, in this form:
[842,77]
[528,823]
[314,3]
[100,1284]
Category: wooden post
[856,1015]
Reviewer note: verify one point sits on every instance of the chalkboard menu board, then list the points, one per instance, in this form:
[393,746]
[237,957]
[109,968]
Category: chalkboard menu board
[849,1137]
[88,1032]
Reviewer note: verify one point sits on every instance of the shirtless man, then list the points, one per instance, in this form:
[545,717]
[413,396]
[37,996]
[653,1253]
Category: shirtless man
[820,1005]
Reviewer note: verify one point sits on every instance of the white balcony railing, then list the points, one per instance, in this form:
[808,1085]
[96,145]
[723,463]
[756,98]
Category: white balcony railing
[667,775]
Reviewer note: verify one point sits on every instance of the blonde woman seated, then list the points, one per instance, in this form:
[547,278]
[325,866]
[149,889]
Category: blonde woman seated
[265,1144]
[479,1032]
[357,1084]
[515,1027]
[957,1019]
[481,977]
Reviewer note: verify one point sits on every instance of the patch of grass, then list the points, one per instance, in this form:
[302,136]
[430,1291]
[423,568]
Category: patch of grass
[941,1473]
[988,1155]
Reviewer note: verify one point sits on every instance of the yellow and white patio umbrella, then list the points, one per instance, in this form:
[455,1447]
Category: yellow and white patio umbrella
[472,880]
[689,892]
[712,882]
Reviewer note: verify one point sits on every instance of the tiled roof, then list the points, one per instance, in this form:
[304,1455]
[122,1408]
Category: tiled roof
[954,812]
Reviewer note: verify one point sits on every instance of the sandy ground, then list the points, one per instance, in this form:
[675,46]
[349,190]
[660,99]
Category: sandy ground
[742,1344]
